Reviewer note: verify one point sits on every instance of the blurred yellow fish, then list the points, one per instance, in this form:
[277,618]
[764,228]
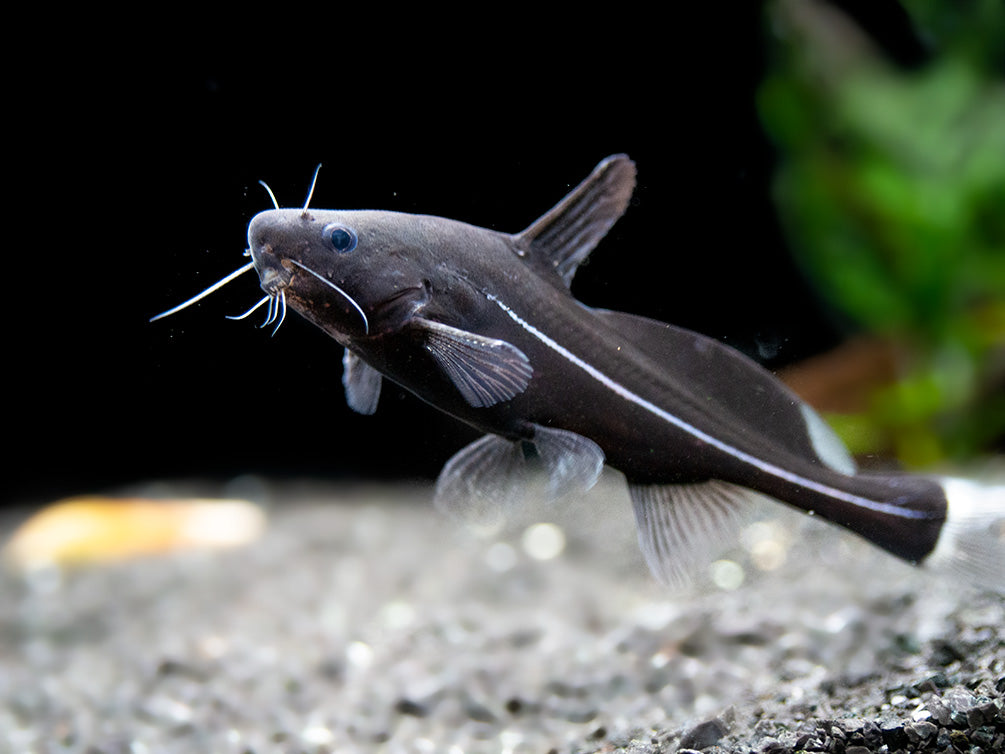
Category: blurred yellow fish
[94,529]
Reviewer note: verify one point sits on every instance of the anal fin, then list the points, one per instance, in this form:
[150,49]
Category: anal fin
[682,527]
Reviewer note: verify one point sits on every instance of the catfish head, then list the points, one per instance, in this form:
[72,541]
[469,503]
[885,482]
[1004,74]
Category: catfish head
[355,273]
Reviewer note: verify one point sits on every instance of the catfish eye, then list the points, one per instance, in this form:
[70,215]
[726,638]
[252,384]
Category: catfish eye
[341,238]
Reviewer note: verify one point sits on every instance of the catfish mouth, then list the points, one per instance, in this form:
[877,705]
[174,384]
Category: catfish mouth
[273,280]
[274,274]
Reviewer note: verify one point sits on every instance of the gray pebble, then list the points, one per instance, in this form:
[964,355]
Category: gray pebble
[920,731]
[703,735]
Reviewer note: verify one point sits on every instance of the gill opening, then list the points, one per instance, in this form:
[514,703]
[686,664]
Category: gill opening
[346,296]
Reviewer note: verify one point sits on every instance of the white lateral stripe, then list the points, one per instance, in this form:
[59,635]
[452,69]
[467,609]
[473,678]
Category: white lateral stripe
[652,408]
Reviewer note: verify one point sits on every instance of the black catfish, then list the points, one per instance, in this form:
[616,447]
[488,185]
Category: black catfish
[482,325]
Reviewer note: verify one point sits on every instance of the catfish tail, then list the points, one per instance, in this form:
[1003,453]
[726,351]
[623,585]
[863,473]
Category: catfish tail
[946,524]
[971,543]
[902,514]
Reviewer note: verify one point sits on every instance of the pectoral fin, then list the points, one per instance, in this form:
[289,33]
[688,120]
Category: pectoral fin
[362,383]
[682,527]
[486,371]
[491,476]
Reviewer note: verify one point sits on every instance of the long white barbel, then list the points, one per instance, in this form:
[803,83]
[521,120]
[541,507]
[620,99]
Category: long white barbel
[198,297]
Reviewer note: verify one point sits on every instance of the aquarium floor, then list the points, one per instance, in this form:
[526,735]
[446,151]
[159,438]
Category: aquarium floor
[365,621]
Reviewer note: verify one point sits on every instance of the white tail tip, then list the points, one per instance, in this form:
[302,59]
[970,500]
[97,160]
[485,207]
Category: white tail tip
[972,543]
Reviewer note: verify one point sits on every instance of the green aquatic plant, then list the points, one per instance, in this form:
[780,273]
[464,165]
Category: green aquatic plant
[891,188]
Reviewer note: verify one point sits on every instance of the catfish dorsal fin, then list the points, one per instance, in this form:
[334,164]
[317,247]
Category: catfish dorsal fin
[566,234]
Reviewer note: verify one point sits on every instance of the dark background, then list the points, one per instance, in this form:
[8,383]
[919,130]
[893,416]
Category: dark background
[142,157]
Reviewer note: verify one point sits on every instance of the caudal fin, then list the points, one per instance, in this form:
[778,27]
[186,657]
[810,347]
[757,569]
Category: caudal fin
[971,544]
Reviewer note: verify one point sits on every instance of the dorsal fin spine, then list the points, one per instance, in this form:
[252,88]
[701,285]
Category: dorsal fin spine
[565,235]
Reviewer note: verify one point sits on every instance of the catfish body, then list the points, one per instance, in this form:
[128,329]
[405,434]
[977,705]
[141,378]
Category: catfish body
[481,324]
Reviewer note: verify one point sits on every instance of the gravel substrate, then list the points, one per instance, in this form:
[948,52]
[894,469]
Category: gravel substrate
[365,621]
